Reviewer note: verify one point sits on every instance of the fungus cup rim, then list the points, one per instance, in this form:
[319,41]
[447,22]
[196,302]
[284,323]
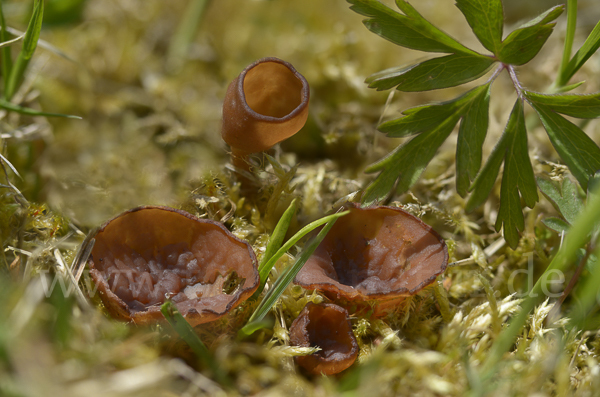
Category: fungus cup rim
[300,336]
[304,92]
[332,291]
[119,309]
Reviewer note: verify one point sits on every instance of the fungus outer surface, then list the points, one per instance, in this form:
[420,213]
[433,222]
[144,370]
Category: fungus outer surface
[376,253]
[266,104]
[327,326]
[149,254]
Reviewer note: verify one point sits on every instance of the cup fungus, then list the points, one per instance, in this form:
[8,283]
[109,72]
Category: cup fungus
[266,104]
[149,254]
[373,258]
[327,326]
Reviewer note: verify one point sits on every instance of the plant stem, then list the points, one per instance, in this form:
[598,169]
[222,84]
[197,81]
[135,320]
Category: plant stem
[515,80]
[570,36]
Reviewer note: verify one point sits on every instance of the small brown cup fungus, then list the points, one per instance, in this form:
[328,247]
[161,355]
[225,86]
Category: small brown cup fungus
[266,104]
[326,326]
[373,258]
[149,254]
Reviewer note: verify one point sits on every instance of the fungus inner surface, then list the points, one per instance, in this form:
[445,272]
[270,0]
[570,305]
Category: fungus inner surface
[325,330]
[153,254]
[375,252]
[272,89]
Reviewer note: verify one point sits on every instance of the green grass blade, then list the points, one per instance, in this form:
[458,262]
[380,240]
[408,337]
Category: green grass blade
[32,35]
[565,258]
[287,277]
[589,47]
[265,269]
[5,51]
[32,112]
[184,36]
[569,37]
[278,234]
[186,332]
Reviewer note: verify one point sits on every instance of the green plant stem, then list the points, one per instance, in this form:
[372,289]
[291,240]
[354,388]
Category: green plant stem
[569,38]
[576,238]
[185,33]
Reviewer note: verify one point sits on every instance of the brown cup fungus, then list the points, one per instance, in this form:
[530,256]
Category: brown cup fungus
[149,254]
[325,326]
[373,258]
[266,104]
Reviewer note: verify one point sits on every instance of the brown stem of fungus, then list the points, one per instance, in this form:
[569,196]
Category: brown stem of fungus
[266,104]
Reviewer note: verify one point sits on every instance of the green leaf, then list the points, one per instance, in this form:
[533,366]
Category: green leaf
[186,332]
[286,278]
[594,183]
[471,135]
[426,117]
[556,224]
[484,182]
[589,47]
[579,152]
[407,162]
[443,72]
[32,112]
[570,87]
[410,30]
[32,35]
[524,43]
[278,234]
[565,198]
[486,20]
[517,177]
[585,106]
[5,52]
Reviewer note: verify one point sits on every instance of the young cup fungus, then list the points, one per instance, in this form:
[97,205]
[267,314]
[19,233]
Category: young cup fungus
[373,258]
[149,254]
[325,326]
[266,104]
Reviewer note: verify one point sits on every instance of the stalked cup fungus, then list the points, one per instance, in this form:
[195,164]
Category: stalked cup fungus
[325,326]
[149,254]
[373,258]
[265,104]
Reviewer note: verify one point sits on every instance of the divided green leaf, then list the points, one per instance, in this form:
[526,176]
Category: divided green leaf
[517,178]
[408,30]
[579,152]
[486,20]
[443,72]
[586,106]
[564,197]
[407,162]
[524,43]
[556,224]
[471,135]
[423,118]
[434,123]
